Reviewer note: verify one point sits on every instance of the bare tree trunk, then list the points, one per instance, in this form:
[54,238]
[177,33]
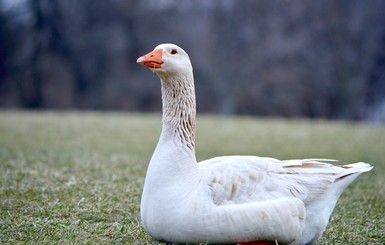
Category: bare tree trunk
[34,97]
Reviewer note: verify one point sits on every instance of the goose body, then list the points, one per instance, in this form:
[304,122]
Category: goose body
[233,198]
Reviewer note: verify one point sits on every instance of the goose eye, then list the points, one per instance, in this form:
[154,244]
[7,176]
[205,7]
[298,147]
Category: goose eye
[173,51]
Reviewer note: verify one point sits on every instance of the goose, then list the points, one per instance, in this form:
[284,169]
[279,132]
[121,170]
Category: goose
[228,199]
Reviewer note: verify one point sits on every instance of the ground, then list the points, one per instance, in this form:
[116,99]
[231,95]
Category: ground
[77,177]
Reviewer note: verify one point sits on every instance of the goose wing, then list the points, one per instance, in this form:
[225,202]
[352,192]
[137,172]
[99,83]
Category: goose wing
[245,179]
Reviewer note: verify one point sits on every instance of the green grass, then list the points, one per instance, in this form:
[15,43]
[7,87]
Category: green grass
[76,177]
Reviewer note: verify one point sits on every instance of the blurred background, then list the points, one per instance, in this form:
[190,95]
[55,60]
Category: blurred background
[314,59]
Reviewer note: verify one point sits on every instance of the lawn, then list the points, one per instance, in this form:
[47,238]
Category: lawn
[76,177]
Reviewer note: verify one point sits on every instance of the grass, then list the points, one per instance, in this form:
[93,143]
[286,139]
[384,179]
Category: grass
[76,177]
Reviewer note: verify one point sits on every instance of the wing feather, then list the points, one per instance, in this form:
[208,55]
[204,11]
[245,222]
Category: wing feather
[241,179]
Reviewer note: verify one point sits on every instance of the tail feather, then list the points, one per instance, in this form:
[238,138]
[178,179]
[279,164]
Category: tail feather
[365,167]
[353,168]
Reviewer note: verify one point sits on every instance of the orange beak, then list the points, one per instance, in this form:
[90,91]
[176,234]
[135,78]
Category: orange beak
[152,59]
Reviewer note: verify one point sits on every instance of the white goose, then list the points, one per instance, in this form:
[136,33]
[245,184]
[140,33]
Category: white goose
[234,198]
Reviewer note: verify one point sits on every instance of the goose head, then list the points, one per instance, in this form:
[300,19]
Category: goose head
[167,60]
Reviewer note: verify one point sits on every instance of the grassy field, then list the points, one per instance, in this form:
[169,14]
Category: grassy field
[76,177]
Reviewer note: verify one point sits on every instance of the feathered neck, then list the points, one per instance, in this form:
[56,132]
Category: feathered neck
[179,108]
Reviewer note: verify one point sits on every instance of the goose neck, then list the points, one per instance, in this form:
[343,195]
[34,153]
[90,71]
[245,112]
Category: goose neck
[179,110]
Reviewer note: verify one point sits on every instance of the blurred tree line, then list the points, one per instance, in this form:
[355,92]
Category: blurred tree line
[319,59]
